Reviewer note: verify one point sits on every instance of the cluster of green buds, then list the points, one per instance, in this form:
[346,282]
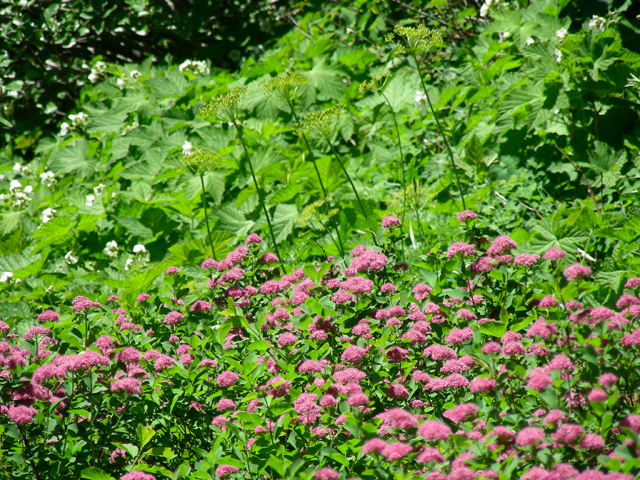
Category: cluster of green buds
[321,123]
[225,106]
[377,81]
[286,84]
[311,214]
[200,161]
[417,39]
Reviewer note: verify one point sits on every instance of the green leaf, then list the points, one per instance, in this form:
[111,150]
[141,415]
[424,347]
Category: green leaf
[5,122]
[55,231]
[277,465]
[94,473]
[326,78]
[135,227]
[260,345]
[555,234]
[493,329]
[283,221]
[9,221]
[106,123]
[144,434]
[73,159]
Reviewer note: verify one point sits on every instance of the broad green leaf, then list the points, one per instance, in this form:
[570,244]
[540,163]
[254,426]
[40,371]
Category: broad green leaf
[55,231]
[94,473]
[144,434]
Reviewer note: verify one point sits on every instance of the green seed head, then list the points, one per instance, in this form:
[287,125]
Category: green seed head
[225,106]
[202,162]
[320,123]
[286,84]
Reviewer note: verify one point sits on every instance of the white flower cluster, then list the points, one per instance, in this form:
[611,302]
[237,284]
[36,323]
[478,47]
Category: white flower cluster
[558,55]
[48,214]
[597,23]
[47,178]
[420,98]
[97,71]
[18,195]
[122,81]
[187,147]
[111,249]
[6,277]
[197,67]
[488,4]
[562,33]
[138,250]
[99,190]
[21,169]
[77,121]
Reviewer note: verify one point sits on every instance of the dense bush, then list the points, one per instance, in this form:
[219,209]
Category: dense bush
[138,337]
[485,362]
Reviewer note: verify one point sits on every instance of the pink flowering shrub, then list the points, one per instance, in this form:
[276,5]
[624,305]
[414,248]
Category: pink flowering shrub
[498,359]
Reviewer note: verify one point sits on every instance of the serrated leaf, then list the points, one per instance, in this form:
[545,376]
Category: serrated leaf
[326,78]
[55,231]
[72,159]
[135,227]
[107,123]
[9,221]
[144,434]
[283,221]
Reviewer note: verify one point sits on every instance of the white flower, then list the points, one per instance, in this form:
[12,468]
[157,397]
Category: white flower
[64,129]
[139,249]
[530,41]
[134,74]
[99,190]
[3,197]
[420,98]
[14,185]
[2,177]
[561,33]
[93,77]
[79,120]
[46,178]
[484,9]
[128,263]
[17,168]
[120,82]
[187,147]
[6,276]
[558,55]
[28,189]
[597,22]
[111,249]
[196,67]
[48,214]
[71,260]
[90,199]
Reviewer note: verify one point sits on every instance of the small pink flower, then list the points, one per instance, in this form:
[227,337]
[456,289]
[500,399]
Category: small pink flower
[461,247]
[526,260]
[466,215]
[433,430]
[326,474]
[172,270]
[143,297]
[374,445]
[554,254]
[482,385]
[501,245]
[576,271]
[633,282]
[227,378]
[529,436]
[253,239]
[396,451]
[172,318]
[48,316]
[390,222]
[138,475]
[200,306]
[226,470]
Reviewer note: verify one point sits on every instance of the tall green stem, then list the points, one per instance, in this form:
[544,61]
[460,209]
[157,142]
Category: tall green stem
[404,182]
[206,218]
[441,131]
[304,137]
[260,197]
[353,187]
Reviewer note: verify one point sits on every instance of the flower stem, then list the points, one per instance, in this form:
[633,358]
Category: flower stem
[353,187]
[206,218]
[260,197]
[304,137]
[441,131]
